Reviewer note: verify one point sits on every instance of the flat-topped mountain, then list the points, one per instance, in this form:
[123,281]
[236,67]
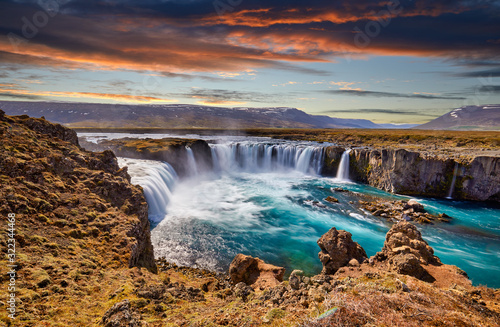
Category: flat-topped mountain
[178,116]
[468,118]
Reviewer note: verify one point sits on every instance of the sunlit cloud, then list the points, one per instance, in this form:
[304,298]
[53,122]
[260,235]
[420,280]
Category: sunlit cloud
[81,95]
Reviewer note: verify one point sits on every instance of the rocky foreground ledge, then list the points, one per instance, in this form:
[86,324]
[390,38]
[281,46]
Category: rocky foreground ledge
[84,258]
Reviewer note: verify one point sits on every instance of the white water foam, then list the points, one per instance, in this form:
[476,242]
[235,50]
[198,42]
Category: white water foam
[343,170]
[252,157]
[158,180]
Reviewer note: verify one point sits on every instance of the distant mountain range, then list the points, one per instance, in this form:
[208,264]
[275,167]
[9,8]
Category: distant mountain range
[179,116]
[98,115]
[485,117]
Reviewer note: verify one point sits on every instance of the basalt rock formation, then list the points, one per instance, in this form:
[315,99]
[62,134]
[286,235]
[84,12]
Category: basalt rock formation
[412,173]
[331,160]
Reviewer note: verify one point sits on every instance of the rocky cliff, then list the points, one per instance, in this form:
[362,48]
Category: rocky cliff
[76,214]
[172,150]
[412,173]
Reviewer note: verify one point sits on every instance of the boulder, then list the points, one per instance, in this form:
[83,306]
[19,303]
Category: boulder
[255,272]
[417,207]
[404,237]
[337,250]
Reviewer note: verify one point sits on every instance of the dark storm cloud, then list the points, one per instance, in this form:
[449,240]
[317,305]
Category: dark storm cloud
[481,73]
[198,36]
[392,95]
[489,89]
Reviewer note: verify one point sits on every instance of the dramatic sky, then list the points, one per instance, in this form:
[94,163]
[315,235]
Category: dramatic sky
[388,61]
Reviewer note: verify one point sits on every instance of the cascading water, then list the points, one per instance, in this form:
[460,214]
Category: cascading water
[157,179]
[267,157]
[453,182]
[343,170]
[193,168]
[279,215]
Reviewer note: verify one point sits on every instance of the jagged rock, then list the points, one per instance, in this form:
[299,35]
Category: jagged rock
[255,272]
[406,251]
[401,210]
[51,129]
[340,190]
[337,249]
[121,315]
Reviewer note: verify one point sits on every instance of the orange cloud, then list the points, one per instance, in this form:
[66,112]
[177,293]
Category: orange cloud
[352,13]
[88,95]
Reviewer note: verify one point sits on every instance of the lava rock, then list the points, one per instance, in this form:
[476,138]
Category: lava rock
[405,237]
[417,207]
[407,264]
[331,199]
[337,249]
[255,272]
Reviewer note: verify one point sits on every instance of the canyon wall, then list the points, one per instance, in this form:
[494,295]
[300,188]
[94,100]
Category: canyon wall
[409,173]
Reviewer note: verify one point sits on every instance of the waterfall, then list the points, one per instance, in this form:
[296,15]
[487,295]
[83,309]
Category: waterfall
[193,168]
[267,157]
[157,180]
[343,170]
[453,181]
